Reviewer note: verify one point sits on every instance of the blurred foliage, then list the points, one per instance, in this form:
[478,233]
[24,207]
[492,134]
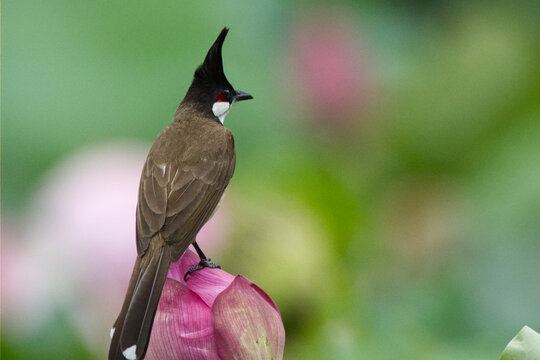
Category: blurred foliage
[409,231]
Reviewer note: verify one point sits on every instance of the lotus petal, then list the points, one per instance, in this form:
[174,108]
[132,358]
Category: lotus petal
[183,326]
[247,323]
[207,283]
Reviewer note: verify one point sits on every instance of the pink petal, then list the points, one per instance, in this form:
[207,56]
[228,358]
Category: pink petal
[183,326]
[178,269]
[247,323]
[207,283]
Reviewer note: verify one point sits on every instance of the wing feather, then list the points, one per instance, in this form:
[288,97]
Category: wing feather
[179,205]
[153,219]
[181,199]
[155,194]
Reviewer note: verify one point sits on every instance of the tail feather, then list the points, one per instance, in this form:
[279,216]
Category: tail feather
[115,352]
[134,324]
[141,312]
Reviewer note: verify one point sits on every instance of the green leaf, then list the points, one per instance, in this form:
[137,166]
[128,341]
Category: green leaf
[524,346]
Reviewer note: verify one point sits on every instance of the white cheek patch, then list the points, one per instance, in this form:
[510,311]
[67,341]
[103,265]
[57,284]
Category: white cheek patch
[221,109]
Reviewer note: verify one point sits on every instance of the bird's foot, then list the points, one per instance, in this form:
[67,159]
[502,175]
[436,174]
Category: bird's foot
[202,264]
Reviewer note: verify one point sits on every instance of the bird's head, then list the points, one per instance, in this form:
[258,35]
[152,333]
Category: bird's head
[210,90]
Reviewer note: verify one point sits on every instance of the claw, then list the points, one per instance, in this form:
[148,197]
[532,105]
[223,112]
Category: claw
[202,264]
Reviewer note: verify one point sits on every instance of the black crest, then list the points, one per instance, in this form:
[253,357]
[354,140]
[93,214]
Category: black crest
[209,78]
[210,72]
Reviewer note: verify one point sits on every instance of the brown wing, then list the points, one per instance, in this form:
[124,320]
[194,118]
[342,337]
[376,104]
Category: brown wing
[177,198]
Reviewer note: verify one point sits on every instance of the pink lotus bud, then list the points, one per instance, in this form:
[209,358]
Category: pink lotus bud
[327,63]
[214,315]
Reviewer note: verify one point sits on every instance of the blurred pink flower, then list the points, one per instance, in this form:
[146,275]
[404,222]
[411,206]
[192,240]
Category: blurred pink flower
[214,315]
[26,298]
[81,227]
[328,66]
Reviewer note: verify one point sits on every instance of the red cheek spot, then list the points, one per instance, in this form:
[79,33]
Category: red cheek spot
[221,97]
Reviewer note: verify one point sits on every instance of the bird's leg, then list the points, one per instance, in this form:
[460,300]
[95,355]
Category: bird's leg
[205,262]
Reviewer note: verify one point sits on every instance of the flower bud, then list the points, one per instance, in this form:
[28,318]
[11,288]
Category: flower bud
[214,315]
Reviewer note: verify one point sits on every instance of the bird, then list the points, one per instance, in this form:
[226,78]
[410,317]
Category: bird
[183,180]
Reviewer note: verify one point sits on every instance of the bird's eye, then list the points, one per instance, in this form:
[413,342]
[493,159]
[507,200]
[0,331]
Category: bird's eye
[222,96]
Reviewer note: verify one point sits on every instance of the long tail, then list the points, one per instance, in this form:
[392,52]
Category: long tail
[131,331]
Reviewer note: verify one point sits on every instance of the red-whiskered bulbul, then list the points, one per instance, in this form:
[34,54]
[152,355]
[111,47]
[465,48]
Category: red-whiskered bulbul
[184,177]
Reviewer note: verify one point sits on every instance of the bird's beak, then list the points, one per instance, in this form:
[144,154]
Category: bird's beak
[240,95]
